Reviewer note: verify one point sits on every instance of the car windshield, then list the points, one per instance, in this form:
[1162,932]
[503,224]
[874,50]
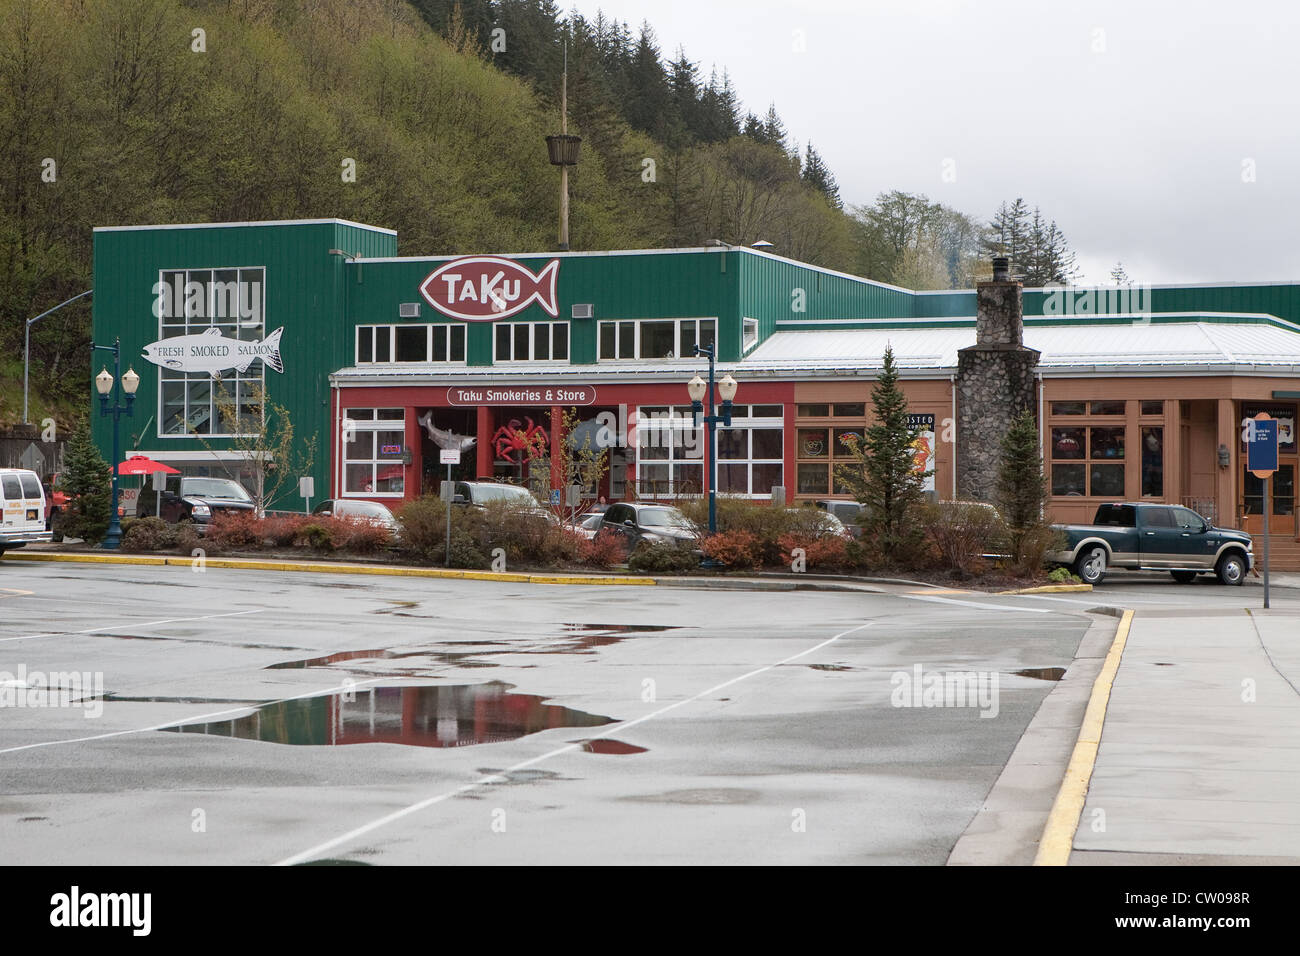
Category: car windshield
[591,522]
[663,518]
[215,488]
[509,493]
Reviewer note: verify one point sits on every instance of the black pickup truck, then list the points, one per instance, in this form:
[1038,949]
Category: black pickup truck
[1154,537]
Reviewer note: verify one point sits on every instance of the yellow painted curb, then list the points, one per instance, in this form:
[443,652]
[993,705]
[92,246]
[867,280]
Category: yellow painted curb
[260,565]
[1058,835]
[1050,589]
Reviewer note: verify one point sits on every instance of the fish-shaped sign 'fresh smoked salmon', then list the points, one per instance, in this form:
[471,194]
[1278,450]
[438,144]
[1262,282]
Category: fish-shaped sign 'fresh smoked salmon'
[487,288]
[214,353]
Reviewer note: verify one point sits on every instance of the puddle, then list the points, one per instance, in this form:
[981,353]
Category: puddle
[830,667]
[452,716]
[334,863]
[1042,673]
[603,745]
[1163,663]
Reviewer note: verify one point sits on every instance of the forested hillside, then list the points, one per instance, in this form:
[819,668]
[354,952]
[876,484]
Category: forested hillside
[157,111]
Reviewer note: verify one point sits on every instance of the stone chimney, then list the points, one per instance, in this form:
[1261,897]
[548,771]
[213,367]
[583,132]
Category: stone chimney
[995,382]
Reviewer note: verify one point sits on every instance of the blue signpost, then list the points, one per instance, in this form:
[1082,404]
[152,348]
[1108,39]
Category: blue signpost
[1260,434]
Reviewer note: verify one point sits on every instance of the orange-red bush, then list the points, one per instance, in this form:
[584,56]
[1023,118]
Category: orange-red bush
[824,552]
[735,549]
[235,530]
[605,549]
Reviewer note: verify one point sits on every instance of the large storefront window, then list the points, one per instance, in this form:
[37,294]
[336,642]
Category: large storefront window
[192,302]
[1087,459]
[373,446]
[671,452]
[655,338]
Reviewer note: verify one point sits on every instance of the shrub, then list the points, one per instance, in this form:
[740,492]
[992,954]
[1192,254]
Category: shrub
[735,549]
[962,532]
[187,540]
[358,536]
[823,552]
[236,530]
[1035,542]
[602,551]
[316,535]
[279,531]
[424,528]
[662,557]
[1063,576]
[147,534]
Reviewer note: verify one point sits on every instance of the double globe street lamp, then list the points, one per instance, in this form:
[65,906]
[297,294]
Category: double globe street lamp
[697,388]
[115,383]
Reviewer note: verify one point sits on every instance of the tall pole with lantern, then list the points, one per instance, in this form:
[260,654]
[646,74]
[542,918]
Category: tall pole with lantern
[115,383]
[563,152]
[696,389]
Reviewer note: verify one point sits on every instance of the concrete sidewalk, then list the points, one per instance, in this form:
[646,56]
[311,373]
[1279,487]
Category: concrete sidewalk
[1199,759]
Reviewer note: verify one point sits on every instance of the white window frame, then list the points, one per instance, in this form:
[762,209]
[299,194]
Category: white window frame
[431,329]
[745,341]
[636,333]
[746,422]
[372,425]
[231,379]
[532,342]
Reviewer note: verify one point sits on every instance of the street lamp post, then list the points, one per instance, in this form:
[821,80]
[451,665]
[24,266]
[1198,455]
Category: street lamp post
[697,388]
[115,383]
[27,342]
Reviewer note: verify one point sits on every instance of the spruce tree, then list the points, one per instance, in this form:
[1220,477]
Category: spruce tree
[87,479]
[1021,487]
[883,475]
[818,175]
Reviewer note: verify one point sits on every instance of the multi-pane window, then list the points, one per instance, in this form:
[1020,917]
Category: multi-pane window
[671,451]
[373,446]
[193,302]
[749,335]
[820,446]
[435,342]
[655,338]
[1088,461]
[531,342]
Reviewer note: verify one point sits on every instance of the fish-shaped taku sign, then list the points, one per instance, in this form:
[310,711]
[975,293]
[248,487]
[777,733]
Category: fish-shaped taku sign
[214,353]
[487,288]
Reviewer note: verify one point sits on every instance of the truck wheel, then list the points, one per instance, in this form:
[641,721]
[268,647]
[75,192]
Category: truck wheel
[1184,577]
[1091,565]
[1231,569]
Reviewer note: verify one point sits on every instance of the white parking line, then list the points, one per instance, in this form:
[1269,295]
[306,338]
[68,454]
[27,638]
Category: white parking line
[987,607]
[118,627]
[503,776]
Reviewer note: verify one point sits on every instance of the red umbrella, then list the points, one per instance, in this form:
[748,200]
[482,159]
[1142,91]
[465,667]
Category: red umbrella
[140,465]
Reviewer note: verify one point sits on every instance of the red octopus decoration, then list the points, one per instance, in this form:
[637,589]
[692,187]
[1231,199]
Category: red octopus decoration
[513,439]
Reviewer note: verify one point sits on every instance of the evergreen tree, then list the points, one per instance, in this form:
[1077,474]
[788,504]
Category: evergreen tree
[1120,274]
[1021,488]
[1046,257]
[882,475]
[648,96]
[818,175]
[1008,233]
[686,115]
[88,479]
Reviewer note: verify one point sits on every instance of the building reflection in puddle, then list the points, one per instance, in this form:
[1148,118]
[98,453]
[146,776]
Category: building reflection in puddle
[451,716]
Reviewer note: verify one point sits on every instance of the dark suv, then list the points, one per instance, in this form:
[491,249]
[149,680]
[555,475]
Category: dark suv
[651,523]
[196,499]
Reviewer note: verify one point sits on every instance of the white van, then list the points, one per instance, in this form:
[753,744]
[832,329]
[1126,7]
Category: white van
[22,504]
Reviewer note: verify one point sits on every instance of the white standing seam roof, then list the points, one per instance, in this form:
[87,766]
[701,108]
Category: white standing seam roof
[1163,348]
[1062,346]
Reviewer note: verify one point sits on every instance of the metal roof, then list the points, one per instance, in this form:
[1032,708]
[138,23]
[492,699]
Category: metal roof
[1161,348]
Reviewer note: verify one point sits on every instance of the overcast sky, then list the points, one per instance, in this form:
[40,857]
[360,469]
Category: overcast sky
[1134,124]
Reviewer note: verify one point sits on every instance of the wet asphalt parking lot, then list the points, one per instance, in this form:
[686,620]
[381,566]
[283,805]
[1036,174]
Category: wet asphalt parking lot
[268,717]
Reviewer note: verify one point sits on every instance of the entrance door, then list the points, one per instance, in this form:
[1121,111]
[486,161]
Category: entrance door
[1281,503]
